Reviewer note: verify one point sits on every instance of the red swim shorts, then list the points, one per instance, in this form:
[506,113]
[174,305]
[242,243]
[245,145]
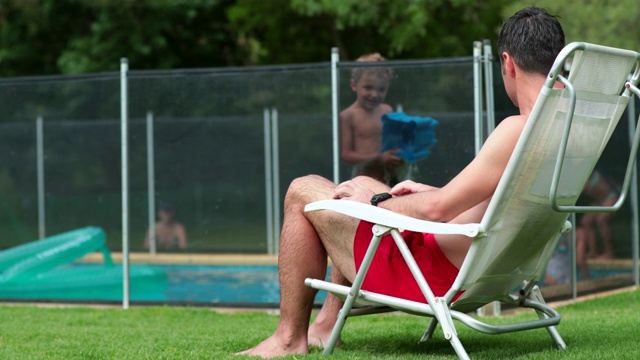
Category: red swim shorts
[389,274]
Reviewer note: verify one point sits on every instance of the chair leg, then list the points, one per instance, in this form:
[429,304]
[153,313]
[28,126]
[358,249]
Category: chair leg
[337,328]
[553,332]
[438,304]
[378,232]
[459,349]
[429,331]
[443,314]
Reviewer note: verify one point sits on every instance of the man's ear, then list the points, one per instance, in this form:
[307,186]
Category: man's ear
[353,84]
[508,66]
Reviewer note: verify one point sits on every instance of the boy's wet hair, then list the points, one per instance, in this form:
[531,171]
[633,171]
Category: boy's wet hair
[384,72]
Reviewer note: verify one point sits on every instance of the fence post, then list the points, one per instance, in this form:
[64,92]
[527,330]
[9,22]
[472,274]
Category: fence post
[124,67]
[40,170]
[268,179]
[635,229]
[275,162]
[488,71]
[574,259]
[151,185]
[477,94]
[335,57]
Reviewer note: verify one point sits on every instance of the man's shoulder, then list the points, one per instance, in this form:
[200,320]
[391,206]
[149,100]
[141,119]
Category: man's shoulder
[513,123]
[508,131]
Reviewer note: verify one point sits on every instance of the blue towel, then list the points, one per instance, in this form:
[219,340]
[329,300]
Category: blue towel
[413,135]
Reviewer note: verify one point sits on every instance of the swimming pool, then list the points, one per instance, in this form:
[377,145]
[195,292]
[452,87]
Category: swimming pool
[220,285]
[224,284]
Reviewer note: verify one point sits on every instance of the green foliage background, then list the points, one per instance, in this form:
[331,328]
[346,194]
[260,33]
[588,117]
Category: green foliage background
[79,36]
[40,37]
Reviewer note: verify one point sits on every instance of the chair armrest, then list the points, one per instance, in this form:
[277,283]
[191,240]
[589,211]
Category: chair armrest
[391,219]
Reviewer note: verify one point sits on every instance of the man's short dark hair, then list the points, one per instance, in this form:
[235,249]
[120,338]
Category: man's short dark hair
[533,38]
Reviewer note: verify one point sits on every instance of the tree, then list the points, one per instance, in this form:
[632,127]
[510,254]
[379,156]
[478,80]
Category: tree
[398,29]
[76,36]
[39,37]
[152,34]
[33,34]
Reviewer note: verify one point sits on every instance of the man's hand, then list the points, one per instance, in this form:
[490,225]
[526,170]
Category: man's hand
[410,187]
[389,158]
[352,190]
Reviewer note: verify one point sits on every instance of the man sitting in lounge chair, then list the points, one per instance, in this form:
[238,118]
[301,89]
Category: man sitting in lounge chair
[528,44]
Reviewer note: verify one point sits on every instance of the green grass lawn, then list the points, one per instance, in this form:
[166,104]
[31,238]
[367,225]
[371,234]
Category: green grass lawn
[603,328]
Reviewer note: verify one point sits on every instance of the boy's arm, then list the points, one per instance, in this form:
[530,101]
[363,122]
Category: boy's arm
[182,237]
[147,239]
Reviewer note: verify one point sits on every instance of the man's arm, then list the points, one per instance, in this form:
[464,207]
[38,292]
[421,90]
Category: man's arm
[476,183]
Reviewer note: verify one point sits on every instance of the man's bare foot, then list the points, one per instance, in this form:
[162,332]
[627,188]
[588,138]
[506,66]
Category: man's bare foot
[274,347]
[320,337]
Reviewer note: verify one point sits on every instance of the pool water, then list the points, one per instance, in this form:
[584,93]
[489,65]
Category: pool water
[222,285]
[232,285]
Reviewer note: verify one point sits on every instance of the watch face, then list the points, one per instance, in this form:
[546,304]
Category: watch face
[377,198]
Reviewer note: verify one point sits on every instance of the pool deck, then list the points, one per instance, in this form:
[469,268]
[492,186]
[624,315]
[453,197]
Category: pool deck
[185,258]
[264,259]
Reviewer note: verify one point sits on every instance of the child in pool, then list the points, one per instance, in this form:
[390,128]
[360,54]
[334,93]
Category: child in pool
[170,233]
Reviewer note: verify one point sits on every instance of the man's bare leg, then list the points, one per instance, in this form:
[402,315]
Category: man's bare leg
[304,255]
[320,330]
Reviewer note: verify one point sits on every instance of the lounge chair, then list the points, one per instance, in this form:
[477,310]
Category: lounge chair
[559,147]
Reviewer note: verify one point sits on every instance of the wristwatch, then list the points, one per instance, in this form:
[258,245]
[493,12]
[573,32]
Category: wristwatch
[378,198]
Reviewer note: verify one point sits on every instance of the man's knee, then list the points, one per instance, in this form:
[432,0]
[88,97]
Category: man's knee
[309,188]
[305,183]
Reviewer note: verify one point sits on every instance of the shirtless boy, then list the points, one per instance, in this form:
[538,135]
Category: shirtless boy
[528,45]
[361,124]
[170,233]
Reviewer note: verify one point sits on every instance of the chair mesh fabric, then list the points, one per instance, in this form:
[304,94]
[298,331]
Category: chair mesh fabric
[521,231]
